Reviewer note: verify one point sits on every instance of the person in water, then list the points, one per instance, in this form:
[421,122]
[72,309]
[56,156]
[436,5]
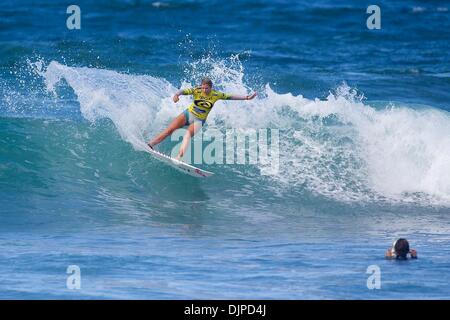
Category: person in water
[196,113]
[400,250]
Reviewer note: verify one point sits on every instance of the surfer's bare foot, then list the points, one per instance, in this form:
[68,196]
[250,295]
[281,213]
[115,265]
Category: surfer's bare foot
[151,147]
[178,157]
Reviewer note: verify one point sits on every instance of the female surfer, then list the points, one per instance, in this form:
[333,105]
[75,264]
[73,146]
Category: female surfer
[194,116]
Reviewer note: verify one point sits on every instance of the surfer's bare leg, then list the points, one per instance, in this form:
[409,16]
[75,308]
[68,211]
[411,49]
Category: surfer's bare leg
[177,123]
[192,129]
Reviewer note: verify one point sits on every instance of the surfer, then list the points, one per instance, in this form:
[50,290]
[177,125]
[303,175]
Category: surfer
[194,116]
[400,250]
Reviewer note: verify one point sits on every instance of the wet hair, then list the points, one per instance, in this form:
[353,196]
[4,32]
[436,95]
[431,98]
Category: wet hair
[207,81]
[401,248]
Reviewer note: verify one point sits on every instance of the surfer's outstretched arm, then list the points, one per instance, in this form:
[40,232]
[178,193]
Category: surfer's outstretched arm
[182,92]
[236,97]
[177,95]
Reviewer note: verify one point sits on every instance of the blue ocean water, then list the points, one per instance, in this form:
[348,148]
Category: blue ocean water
[364,126]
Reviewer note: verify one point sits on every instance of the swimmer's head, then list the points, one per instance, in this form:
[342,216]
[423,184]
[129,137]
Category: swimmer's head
[400,248]
[206,85]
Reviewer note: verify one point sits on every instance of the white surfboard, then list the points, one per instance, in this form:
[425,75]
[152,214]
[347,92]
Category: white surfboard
[180,165]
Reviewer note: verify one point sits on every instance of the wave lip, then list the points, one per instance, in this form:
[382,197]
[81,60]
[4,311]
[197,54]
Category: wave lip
[129,101]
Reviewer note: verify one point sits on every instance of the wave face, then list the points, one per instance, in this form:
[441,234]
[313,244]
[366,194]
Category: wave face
[342,147]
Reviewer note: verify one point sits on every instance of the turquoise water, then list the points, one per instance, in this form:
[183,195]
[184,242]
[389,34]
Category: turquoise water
[364,153]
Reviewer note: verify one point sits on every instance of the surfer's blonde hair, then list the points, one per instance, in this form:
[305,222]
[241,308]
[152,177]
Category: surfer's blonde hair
[207,81]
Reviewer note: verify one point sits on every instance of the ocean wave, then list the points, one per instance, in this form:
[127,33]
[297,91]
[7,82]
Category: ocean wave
[340,147]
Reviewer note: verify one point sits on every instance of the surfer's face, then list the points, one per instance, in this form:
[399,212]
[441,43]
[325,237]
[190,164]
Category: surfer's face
[206,89]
